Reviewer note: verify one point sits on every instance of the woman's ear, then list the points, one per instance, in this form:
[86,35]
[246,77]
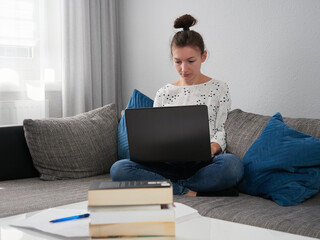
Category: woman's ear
[204,56]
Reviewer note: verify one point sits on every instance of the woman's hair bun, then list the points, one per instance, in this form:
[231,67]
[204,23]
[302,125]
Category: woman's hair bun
[186,21]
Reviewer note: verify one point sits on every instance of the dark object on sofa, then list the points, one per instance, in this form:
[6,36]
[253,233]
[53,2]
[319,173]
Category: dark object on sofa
[16,161]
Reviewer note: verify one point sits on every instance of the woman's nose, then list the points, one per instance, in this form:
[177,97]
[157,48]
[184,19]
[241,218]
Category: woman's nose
[183,67]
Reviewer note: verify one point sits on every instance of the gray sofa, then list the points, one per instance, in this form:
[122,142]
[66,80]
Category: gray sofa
[23,191]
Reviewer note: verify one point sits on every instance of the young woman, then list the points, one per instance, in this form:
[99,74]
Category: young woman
[224,171]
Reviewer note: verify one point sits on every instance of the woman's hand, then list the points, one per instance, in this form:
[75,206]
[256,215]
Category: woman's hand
[215,148]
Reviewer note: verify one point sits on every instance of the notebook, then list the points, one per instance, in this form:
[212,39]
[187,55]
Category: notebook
[168,134]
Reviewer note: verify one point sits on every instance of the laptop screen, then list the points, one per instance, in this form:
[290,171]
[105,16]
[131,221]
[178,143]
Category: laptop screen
[168,134]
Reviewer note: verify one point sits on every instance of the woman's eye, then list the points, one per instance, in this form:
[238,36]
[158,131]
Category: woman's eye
[178,62]
[191,61]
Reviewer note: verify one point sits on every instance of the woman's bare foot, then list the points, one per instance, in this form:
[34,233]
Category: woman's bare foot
[191,193]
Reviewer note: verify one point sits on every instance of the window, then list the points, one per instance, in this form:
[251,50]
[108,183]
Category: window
[29,64]
[19,44]
[18,25]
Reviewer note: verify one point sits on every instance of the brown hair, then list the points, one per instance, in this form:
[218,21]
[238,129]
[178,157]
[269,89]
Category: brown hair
[187,37]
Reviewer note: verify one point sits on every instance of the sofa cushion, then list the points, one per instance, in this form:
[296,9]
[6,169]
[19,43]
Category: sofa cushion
[32,194]
[282,164]
[16,160]
[243,128]
[137,100]
[302,219]
[73,147]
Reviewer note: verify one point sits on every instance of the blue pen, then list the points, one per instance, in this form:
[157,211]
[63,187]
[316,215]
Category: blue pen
[70,218]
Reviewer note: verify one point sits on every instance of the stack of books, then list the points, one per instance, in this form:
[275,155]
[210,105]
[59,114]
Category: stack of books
[131,210]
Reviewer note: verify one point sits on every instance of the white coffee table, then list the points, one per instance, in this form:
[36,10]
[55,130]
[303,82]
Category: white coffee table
[198,228]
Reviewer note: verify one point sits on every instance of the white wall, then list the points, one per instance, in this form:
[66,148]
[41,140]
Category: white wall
[268,51]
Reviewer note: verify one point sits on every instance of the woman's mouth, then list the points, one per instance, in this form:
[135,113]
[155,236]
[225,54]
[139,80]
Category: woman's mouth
[185,75]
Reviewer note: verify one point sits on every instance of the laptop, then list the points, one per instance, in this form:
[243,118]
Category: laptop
[168,134]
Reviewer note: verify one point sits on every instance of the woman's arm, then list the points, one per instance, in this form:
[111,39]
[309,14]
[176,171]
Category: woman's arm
[158,99]
[218,140]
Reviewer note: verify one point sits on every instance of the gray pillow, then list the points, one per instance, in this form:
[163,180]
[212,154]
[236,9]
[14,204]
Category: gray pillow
[73,147]
[243,128]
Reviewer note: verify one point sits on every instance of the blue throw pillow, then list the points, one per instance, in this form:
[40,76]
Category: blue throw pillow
[282,164]
[137,100]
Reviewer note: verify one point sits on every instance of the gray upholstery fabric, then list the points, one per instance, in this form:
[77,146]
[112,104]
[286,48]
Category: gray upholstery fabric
[243,128]
[73,147]
[303,219]
[32,194]
[27,195]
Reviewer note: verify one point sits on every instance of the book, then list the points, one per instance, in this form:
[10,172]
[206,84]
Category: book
[125,208]
[107,193]
[182,211]
[132,228]
[144,237]
[163,213]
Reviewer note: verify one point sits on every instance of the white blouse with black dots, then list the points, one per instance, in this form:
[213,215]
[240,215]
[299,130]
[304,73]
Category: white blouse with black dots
[214,94]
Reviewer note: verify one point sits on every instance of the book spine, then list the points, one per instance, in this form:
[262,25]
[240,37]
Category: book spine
[166,215]
[141,228]
[145,237]
[139,196]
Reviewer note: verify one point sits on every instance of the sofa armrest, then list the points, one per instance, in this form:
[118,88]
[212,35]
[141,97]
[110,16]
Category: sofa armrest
[16,161]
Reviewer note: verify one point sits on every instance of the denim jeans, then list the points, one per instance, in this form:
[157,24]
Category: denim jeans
[222,172]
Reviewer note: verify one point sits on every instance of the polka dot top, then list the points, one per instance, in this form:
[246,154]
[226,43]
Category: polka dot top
[214,94]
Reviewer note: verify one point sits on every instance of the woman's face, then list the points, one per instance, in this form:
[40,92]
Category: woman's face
[187,60]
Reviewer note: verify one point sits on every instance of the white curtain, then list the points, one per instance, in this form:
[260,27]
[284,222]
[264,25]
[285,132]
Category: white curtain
[90,52]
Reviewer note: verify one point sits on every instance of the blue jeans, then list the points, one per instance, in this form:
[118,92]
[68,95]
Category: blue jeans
[222,172]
